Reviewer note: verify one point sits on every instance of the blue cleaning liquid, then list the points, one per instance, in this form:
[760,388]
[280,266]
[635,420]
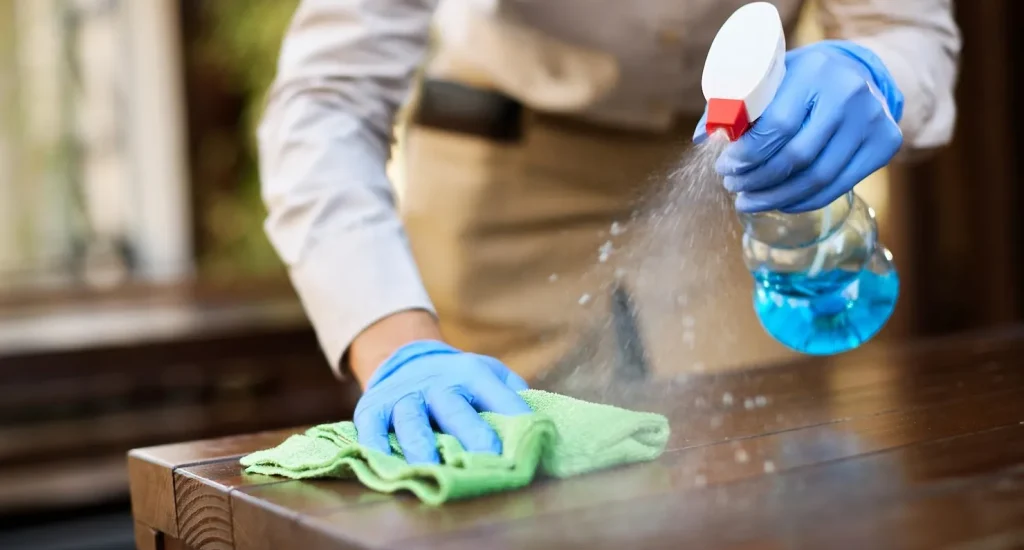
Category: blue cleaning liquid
[831,313]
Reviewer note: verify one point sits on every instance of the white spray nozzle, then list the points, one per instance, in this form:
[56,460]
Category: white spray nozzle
[744,68]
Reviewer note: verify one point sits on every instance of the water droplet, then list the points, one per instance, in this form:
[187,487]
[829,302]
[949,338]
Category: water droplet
[716,422]
[617,229]
[748,403]
[688,338]
[769,466]
[727,399]
[604,252]
[553,277]
[584,300]
[741,456]
[699,367]
[761,401]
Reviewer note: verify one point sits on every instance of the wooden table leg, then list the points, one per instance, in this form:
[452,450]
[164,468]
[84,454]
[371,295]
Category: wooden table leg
[147,538]
[171,543]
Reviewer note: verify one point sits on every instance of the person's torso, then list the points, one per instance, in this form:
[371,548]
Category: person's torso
[657,46]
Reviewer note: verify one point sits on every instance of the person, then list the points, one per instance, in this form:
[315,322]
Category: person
[537,126]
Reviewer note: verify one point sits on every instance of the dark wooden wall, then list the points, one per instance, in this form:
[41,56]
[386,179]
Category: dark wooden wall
[957,213]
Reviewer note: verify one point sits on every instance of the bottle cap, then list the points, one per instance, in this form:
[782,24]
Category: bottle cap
[744,68]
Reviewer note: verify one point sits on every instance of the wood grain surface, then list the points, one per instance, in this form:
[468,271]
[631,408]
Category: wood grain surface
[919,446]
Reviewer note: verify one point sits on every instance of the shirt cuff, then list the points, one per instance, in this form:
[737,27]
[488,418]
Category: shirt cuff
[351,281]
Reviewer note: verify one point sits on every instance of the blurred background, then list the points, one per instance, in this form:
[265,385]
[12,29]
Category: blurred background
[140,302]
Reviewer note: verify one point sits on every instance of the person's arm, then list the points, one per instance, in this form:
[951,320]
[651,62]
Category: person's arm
[880,86]
[919,43]
[345,68]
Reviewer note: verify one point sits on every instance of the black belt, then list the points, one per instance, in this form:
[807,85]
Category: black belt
[455,107]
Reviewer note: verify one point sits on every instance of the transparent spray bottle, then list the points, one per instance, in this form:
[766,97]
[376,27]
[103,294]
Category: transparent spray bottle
[823,284]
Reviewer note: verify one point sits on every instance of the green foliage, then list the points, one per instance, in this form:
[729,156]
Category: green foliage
[244,38]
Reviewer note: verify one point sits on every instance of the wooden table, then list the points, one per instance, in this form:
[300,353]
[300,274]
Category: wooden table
[920,446]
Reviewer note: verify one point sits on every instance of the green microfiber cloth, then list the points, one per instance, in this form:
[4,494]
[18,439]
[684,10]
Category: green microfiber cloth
[561,438]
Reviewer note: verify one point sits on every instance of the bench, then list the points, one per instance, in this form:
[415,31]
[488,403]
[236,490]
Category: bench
[83,379]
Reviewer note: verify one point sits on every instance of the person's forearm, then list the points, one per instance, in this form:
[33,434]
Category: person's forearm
[344,69]
[383,338]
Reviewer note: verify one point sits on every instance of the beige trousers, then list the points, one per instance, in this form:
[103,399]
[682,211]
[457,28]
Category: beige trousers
[522,245]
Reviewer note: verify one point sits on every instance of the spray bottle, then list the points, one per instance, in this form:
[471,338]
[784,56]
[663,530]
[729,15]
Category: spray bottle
[823,284]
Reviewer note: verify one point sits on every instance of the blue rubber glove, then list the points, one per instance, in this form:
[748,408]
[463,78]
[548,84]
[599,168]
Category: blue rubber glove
[430,380]
[833,122]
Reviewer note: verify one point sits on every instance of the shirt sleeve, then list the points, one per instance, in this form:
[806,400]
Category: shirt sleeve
[919,42]
[345,68]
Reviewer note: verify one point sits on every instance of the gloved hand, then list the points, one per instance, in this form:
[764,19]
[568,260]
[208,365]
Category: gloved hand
[832,123]
[430,380]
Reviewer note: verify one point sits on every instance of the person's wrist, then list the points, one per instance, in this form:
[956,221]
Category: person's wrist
[381,340]
[406,354]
